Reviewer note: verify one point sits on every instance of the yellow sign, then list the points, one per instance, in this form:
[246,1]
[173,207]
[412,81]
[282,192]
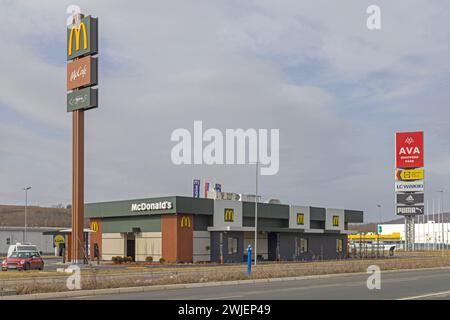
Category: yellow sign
[335,221]
[300,218]
[77,31]
[229,215]
[408,175]
[59,239]
[94,226]
[185,222]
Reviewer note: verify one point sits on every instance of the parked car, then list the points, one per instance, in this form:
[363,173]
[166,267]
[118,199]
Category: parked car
[22,247]
[23,260]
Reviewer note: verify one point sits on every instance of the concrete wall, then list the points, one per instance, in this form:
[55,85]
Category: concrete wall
[202,240]
[113,244]
[148,244]
[44,243]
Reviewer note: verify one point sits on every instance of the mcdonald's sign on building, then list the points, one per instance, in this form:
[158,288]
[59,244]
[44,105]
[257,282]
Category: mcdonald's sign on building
[229,215]
[82,38]
[185,222]
[335,221]
[300,219]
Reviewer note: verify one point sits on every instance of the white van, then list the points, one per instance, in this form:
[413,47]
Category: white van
[22,247]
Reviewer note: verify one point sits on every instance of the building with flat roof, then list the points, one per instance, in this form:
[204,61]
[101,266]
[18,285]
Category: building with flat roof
[185,229]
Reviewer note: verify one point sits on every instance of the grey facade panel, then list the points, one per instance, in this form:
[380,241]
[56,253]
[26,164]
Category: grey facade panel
[354,216]
[202,222]
[36,237]
[264,223]
[215,246]
[318,214]
[194,205]
[266,210]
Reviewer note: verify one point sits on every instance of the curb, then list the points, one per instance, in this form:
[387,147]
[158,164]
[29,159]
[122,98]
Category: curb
[96,292]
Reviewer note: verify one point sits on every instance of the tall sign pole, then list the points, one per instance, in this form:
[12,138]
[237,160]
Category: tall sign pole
[82,71]
[409,184]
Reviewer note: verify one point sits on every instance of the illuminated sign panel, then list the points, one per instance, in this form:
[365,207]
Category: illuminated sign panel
[409,149]
[82,38]
[229,215]
[82,73]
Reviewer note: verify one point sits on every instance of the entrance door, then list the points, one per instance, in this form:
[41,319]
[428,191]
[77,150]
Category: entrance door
[131,247]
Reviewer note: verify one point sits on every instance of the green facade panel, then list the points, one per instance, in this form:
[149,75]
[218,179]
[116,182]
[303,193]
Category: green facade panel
[126,224]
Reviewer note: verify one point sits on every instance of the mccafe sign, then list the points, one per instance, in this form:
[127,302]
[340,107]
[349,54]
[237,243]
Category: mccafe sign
[82,73]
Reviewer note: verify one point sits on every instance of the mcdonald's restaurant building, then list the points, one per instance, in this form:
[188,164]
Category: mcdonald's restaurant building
[185,229]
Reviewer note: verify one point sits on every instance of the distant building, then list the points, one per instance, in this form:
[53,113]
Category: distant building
[12,235]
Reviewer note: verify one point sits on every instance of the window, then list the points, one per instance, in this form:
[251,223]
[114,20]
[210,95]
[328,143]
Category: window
[232,245]
[300,219]
[339,245]
[335,221]
[303,245]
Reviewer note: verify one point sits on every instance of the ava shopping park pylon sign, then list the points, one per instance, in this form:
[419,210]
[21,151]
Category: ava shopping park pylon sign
[409,173]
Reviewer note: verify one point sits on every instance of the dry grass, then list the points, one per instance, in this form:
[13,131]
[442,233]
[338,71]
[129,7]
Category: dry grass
[98,280]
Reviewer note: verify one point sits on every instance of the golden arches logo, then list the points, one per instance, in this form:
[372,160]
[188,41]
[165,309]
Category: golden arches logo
[185,222]
[77,31]
[335,221]
[300,219]
[94,226]
[229,215]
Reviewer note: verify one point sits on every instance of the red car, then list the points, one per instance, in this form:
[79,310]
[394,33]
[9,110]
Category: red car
[23,260]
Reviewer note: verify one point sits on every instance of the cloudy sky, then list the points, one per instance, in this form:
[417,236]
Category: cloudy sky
[336,91]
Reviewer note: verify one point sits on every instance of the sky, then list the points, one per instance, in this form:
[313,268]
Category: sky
[336,91]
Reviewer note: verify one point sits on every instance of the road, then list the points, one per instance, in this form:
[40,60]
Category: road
[420,284]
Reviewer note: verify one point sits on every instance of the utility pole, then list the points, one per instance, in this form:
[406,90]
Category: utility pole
[378,230]
[442,217]
[256,214]
[26,206]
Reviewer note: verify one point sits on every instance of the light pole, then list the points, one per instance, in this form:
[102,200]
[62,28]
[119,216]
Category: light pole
[256,214]
[26,205]
[442,217]
[378,231]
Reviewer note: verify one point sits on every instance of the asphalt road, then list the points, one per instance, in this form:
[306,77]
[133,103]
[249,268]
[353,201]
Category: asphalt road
[421,284]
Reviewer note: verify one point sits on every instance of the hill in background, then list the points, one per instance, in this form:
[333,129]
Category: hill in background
[14,216]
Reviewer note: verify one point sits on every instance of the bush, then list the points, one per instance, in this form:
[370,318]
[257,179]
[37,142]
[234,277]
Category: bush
[117,259]
[128,259]
[162,260]
[149,259]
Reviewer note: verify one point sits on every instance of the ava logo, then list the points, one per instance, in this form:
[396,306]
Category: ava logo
[409,140]
[185,222]
[409,151]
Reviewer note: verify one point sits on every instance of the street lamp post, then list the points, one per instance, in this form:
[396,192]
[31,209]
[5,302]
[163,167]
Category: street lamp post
[26,205]
[378,231]
[442,217]
[256,214]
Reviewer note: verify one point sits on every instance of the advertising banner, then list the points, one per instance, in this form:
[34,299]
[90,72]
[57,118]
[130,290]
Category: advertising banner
[218,187]
[410,210]
[409,186]
[410,198]
[86,98]
[409,149]
[196,188]
[82,73]
[206,189]
[409,175]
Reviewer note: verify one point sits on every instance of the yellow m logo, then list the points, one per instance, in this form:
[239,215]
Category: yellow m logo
[77,31]
[300,218]
[94,226]
[335,221]
[229,215]
[185,222]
